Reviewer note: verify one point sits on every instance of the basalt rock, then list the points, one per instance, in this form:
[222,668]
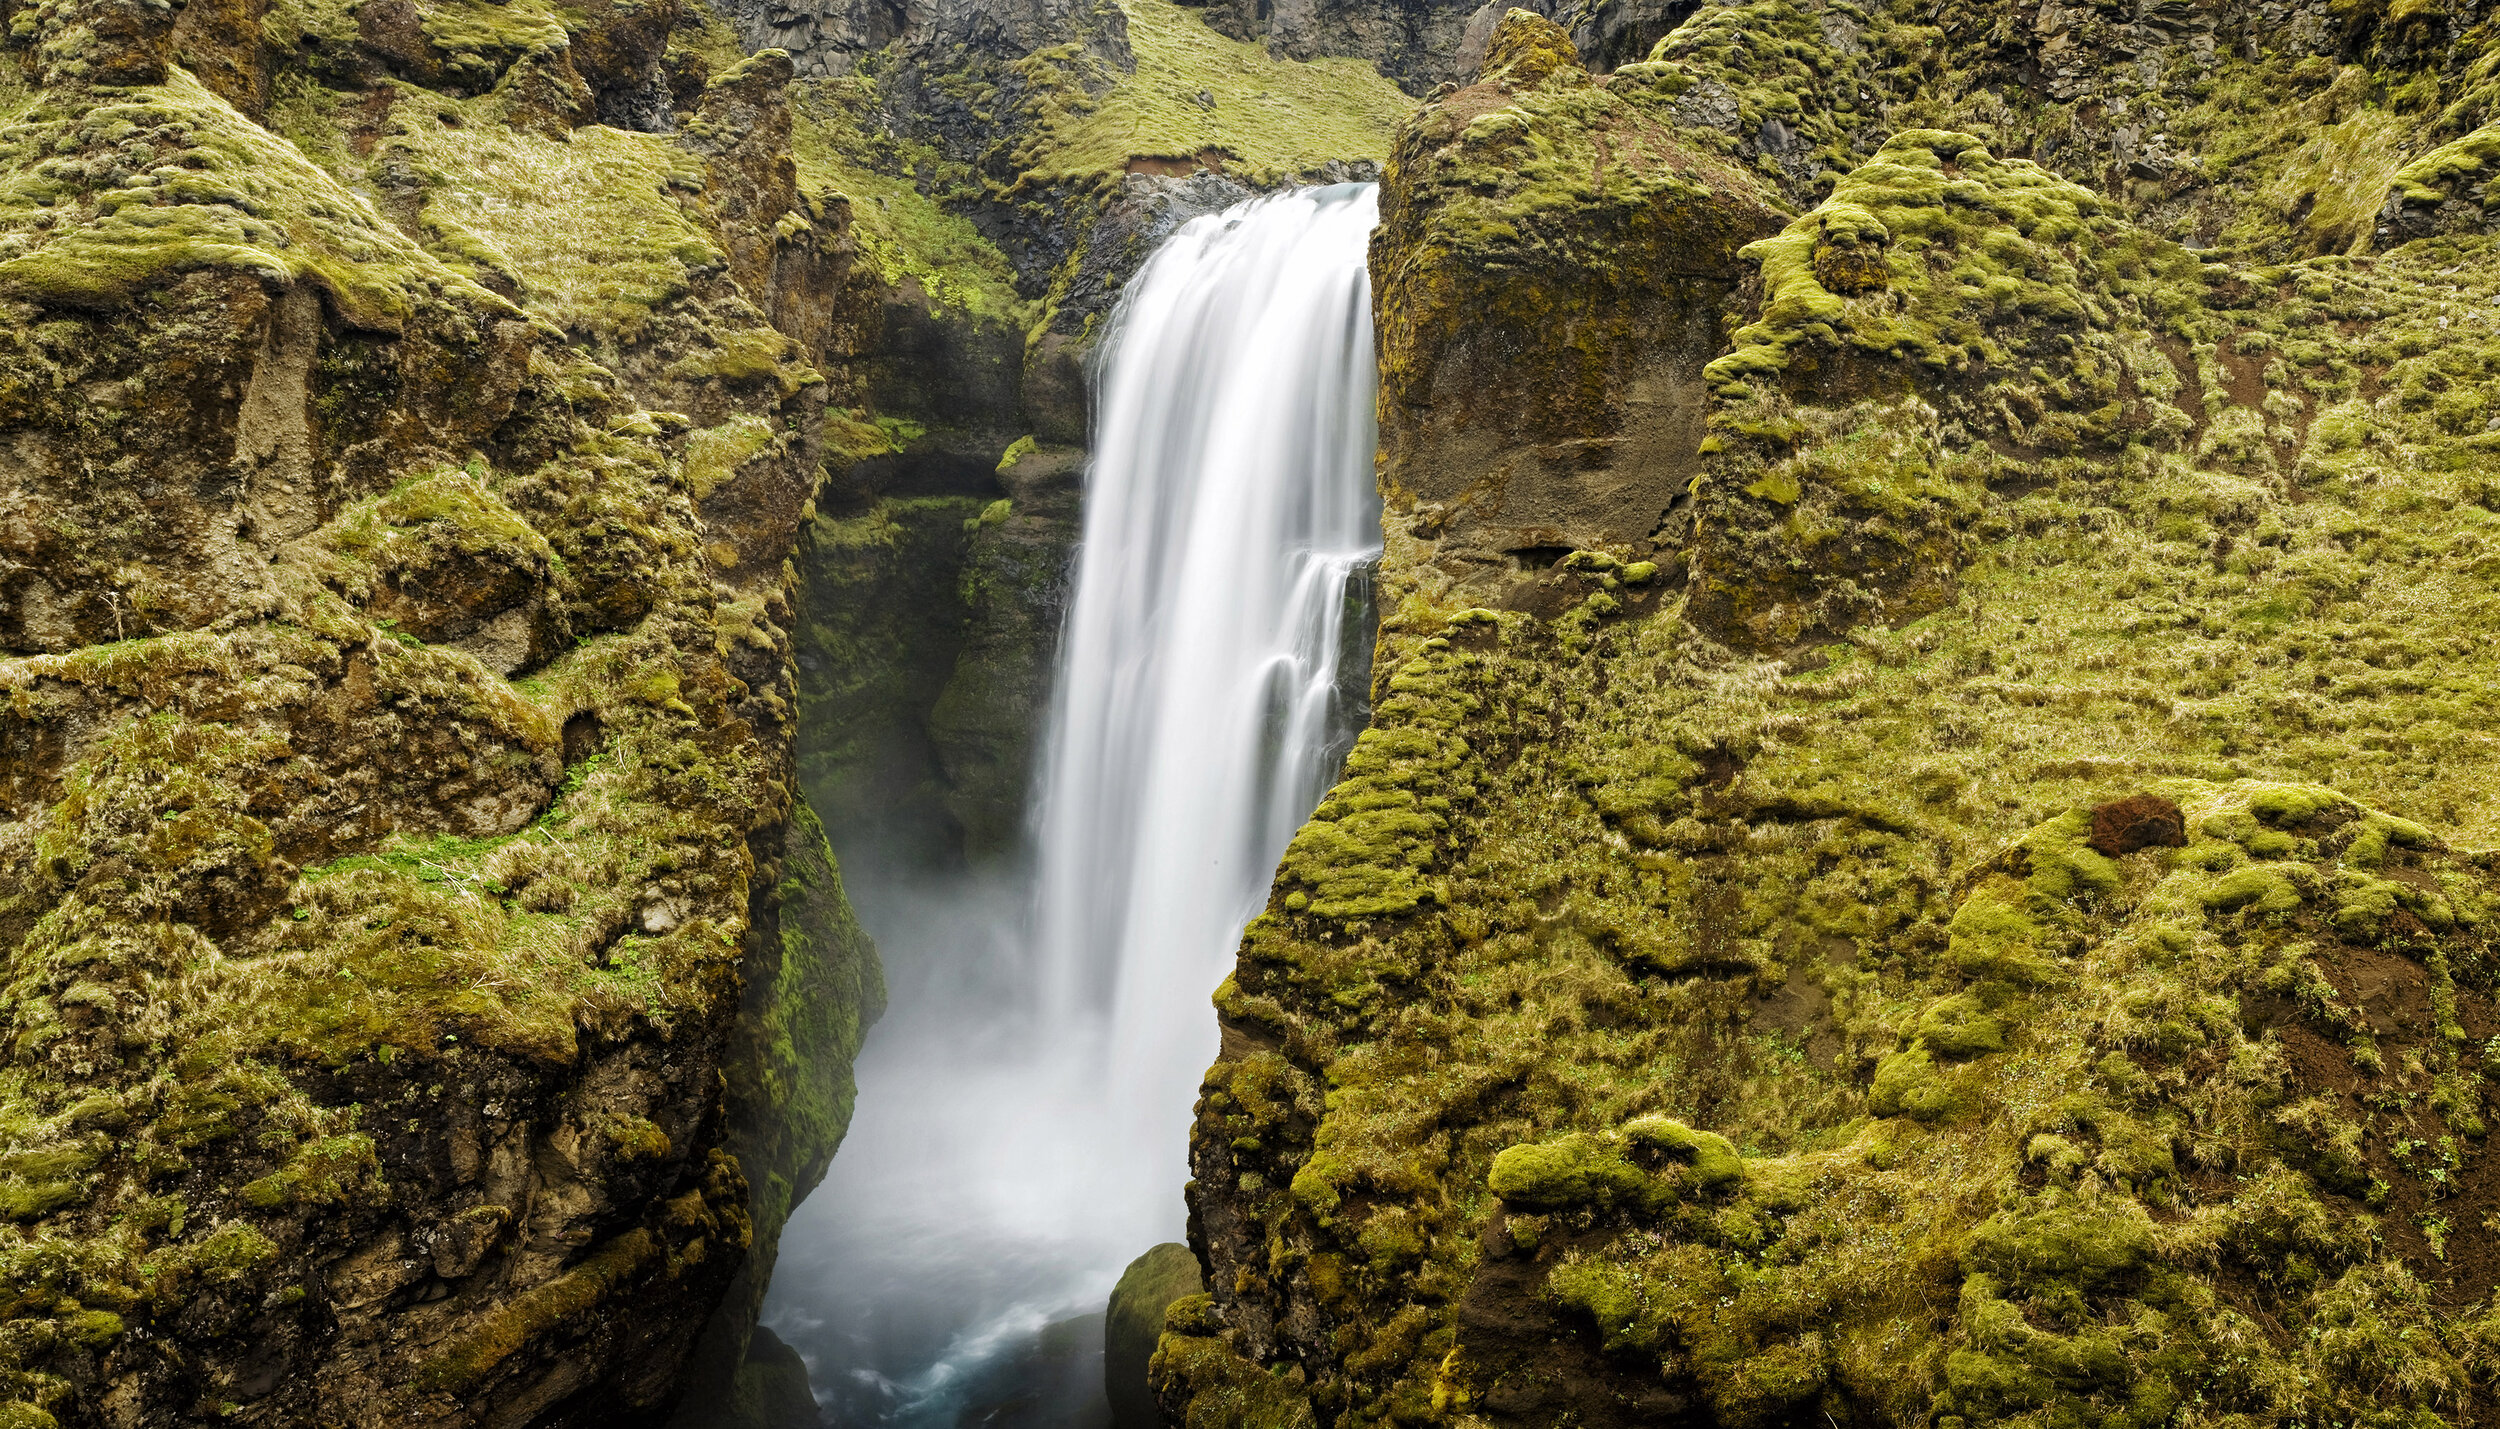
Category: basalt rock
[426,995]
[1550,266]
[1900,910]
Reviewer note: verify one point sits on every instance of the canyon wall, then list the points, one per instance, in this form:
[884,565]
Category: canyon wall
[426,992]
[1923,855]
[444,447]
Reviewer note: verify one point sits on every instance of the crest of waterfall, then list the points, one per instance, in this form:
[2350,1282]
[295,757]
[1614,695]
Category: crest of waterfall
[1023,1114]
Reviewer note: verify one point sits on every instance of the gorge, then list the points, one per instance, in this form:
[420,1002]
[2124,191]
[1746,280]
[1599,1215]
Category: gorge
[1872,802]
[1022,1135]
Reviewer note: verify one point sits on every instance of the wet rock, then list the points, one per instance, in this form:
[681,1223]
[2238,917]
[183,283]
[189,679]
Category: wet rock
[1135,1322]
[1015,576]
[1144,210]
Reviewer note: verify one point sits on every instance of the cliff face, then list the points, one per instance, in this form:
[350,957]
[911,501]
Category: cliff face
[1921,854]
[408,919]
[442,445]
[928,630]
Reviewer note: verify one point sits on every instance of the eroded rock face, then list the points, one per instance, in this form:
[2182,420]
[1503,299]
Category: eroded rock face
[931,628]
[1541,388]
[1927,929]
[425,994]
[1418,45]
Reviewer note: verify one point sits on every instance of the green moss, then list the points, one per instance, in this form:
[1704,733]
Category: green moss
[326,1170]
[475,895]
[1592,1169]
[2439,173]
[2256,889]
[1715,1164]
[805,1030]
[306,114]
[1526,50]
[1577,1170]
[748,358]
[453,506]
[296,25]
[1968,235]
[95,1329]
[2009,923]
[25,1200]
[229,1253]
[905,233]
[568,1297]
[216,192]
[1270,118]
[1960,1026]
[1908,1083]
[1364,851]
[1779,486]
[1223,1389]
[2363,906]
[716,454]
[479,40]
[594,229]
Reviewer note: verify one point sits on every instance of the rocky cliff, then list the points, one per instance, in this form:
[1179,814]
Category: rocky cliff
[443,446]
[409,920]
[1923,854]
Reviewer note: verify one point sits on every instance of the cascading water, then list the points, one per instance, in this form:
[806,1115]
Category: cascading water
[1231,502]
[1024,1108]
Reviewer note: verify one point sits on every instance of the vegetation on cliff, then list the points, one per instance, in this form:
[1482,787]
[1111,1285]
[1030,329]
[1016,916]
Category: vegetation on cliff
[1193,94]
[409,922]
[1967,900]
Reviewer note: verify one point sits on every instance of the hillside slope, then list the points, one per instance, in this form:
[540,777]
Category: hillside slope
[1924,852]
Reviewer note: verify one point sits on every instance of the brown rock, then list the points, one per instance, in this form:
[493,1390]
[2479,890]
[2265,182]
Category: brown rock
[542,94]
[219,42]
[103,42]
[1531,407]
[2138,821]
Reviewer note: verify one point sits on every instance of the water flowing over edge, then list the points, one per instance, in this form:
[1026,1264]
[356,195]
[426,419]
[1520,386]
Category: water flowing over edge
[1024,1110]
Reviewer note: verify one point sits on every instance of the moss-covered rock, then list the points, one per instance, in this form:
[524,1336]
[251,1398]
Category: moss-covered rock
[1014,583]
[386,1035]
[1986,816]
[1551,249]
[1134,1325]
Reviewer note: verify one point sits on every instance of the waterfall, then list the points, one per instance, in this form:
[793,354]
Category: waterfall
[1230,502]
[1023,1117]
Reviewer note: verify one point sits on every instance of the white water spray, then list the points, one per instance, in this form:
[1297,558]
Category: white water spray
[1023,1116]
[1231,501]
